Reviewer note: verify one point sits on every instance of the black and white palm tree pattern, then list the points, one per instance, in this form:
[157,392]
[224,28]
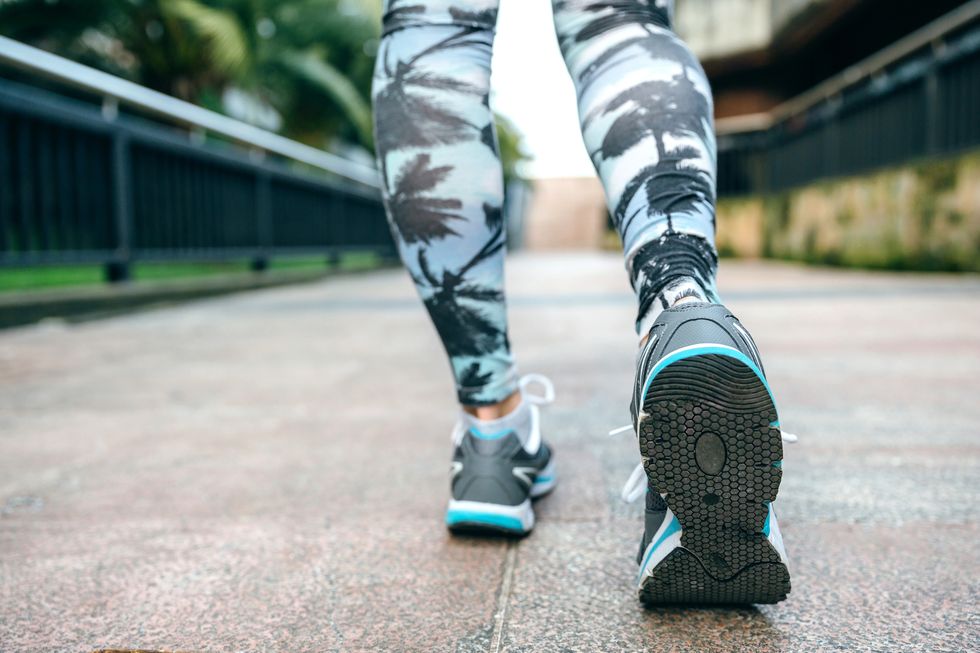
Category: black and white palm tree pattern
[443,183]
[645,107]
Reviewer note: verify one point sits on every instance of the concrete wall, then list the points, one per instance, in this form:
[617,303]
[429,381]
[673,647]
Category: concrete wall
[920,216]
[707,25]
[565,213]
[740,224]
[783,11]
[718,28]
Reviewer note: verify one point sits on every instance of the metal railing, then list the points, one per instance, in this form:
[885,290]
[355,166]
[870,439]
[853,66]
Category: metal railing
[80,183]
[919,97]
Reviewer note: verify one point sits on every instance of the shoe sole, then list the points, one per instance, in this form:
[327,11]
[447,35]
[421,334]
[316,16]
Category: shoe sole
[475,517]
[710,442]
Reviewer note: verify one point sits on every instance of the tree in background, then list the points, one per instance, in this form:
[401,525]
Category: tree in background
[303,66]
[299,67]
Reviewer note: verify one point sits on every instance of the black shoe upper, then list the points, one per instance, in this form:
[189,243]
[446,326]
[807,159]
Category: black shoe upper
[690,324]
[495,470]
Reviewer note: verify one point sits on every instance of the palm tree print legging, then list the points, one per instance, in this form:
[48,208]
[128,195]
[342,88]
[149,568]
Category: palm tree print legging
[646,115]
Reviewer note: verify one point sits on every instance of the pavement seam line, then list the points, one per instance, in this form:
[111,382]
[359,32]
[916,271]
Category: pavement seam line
[503,599]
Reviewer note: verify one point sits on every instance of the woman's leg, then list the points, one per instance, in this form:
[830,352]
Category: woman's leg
[443,183]
[443,188]
[645,108]
[646,112]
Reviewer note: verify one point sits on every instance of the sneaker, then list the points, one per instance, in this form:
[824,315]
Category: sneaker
[712,455]
[496,476]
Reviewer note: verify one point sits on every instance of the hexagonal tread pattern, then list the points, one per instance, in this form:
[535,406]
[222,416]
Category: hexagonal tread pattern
[680,578]
[719,490]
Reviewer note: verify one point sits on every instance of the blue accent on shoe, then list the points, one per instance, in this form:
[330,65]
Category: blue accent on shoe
[489,436]
[672,528]
[454,517]
[699,351]
[778,463]
[765,528]
[544,479]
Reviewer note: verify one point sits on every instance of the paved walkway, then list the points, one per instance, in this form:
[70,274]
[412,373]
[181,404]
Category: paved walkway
[268,472]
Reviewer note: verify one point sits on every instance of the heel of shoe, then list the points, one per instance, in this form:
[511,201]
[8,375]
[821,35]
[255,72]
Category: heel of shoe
[544,481]
[480,517]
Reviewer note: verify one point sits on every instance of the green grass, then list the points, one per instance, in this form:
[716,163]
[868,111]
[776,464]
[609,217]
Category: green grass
[64,276]
[49,277]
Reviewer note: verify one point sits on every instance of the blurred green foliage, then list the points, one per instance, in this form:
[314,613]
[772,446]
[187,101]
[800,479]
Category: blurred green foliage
[299,67]
[511,152]
[302,67]
[63,276]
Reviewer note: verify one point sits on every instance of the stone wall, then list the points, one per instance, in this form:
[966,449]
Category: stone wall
[565,213]
[923,216]
[706,25]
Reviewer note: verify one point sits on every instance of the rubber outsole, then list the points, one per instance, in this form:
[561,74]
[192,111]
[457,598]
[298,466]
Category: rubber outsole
[710,439]
[479,528]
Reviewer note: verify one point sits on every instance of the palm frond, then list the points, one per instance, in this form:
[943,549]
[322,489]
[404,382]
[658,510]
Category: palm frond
[474,377]
[479,293]
[314,69]
[226,41]
[416,176]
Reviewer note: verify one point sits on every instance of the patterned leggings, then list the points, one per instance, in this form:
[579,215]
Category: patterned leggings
[646,115]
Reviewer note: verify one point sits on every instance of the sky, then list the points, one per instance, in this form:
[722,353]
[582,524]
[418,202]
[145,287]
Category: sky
[531,88]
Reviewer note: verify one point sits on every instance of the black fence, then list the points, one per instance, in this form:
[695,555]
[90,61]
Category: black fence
[925,103]
[78,186]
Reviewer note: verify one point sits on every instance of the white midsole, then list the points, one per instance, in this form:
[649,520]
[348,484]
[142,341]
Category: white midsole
[545,480]
[776,536]
[522,512]
[658,548]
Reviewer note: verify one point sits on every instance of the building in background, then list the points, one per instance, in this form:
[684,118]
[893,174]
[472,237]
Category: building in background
[781,49]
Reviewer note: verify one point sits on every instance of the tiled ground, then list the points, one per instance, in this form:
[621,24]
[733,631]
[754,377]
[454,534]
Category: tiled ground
[268,471]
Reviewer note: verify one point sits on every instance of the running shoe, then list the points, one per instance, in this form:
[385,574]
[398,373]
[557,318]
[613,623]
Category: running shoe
[712,454]
[496,476]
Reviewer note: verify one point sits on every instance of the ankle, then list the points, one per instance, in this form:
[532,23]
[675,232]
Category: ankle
[682,290]
[495,411]
[688,299]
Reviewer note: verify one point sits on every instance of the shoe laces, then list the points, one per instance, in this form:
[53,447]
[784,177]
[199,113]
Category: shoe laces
[636,484]
[526,395]
[544,382]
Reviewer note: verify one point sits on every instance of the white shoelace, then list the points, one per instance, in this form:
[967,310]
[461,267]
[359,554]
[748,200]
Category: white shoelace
[526,395]
[544,382]
[636,484]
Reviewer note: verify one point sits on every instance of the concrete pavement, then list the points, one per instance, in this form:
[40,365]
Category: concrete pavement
[268,472]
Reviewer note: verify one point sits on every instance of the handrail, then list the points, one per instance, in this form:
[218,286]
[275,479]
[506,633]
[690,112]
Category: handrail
[52,66]
[862,70]
[746,122]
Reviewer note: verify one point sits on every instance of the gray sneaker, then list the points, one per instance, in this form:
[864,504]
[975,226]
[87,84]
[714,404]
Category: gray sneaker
[495,476]
[712,451]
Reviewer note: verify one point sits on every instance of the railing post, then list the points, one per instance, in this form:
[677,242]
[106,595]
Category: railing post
[118,267]
[832,146]
[263,221]
[932,100]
